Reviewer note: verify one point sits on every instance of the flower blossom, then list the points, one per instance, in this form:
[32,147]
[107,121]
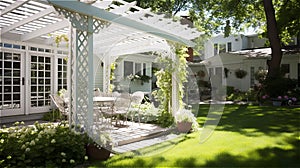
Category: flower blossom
[63,154]
[32,143]
[264,97]
[27,149]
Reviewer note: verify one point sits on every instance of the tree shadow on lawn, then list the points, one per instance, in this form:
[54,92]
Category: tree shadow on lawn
[266,157]
[249,120]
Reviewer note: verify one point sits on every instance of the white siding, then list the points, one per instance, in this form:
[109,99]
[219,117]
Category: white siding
[98,72]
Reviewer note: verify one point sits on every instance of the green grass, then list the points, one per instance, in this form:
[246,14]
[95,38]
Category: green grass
[246,136]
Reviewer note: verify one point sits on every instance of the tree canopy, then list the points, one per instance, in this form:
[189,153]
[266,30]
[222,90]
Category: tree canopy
[236,15]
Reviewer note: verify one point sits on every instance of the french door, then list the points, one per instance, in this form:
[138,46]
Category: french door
[40,83]
[11,83]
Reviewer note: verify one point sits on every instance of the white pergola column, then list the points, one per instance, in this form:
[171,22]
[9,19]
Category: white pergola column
[82,72]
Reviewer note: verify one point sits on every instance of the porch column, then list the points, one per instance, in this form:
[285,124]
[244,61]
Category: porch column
[175,95]
[106,73]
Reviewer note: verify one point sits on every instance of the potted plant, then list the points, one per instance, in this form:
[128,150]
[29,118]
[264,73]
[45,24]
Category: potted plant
[99,149]
[185,120]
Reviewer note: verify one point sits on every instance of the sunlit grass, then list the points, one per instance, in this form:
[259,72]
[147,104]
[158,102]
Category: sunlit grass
[247,136]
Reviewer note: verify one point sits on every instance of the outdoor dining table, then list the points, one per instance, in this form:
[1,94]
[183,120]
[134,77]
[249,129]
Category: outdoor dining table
[101,99]
[105,105]
[104,102]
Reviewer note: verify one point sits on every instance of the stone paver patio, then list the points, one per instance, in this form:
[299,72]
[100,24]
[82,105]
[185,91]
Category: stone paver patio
[136,136]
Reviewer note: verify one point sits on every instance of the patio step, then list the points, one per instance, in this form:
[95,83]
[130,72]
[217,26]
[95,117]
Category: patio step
[7,120]
[145,141]
[148,136]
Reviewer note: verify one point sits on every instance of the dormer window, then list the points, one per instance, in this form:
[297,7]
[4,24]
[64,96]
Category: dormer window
[222,48]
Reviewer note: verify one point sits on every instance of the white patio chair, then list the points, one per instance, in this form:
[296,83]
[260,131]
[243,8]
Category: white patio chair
[136,101]
[115,94]
[61,105]
[120,108]
[97,92]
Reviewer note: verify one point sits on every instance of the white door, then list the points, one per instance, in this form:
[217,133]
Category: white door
[11,83]
[40,83]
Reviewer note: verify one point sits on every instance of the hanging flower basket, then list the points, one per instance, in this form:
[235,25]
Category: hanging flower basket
[239,73]
[201,73]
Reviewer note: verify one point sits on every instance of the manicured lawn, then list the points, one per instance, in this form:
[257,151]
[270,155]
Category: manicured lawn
[247,136]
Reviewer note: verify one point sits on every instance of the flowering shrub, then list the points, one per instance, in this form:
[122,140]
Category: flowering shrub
[41,145]
[147,113]
[286,99]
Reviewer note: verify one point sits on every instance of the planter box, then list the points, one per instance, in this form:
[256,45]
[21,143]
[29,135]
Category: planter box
[276,103]
[94,153]
[184,127]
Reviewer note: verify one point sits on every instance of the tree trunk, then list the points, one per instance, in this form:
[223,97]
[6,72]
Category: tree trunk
[273,36]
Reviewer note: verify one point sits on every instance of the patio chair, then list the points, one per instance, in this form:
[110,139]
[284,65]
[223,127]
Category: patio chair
[136,101]
[120,108]
[116,94]
[61,105]
[97,92]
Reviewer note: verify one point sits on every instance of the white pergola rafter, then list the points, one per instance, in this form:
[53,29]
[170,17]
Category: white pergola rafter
[137,24]
[28,20]
[45,30]
[12,7]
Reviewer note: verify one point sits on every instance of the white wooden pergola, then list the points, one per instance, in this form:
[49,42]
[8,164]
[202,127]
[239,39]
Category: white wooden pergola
[114,27]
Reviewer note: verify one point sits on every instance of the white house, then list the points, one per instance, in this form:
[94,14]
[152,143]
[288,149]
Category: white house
[220,44]
[223,56]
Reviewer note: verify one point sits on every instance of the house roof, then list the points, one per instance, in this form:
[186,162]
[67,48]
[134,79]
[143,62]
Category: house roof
[253,53]
[238,56]
[263,52]
[38,21]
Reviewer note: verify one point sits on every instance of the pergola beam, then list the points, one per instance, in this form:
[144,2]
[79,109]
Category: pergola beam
[28,20]
[45,30]
[102,14]
[12,7]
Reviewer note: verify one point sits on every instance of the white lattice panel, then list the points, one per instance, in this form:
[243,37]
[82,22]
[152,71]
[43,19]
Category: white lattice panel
[80,82]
